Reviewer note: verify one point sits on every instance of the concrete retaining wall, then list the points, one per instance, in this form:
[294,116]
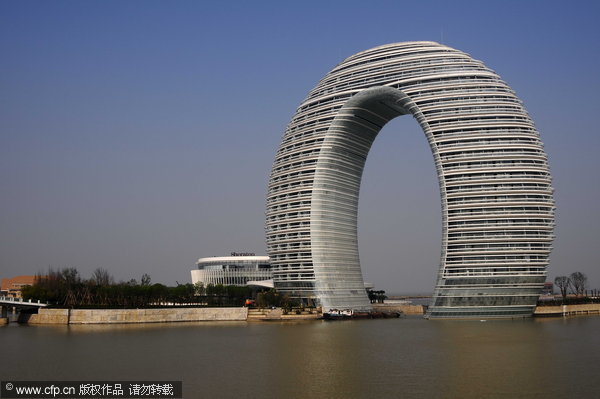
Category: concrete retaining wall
[167,315]
[46,316]
[255,314]
[567,310]
[115,316]
[393,307]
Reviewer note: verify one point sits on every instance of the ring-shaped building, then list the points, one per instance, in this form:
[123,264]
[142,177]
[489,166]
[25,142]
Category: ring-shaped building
[494,181]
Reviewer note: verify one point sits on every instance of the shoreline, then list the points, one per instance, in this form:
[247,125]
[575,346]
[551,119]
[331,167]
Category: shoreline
[47,316]
[567,310]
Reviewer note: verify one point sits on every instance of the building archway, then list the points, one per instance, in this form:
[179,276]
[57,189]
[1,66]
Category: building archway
[496,194]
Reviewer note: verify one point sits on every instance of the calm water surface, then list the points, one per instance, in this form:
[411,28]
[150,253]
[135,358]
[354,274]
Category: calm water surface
[400,358]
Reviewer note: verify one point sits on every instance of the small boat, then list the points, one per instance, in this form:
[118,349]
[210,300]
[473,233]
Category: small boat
[364,314]
[392,315]
[385,314]
[337,314]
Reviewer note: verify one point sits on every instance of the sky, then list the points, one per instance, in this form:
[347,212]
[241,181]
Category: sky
[139,136]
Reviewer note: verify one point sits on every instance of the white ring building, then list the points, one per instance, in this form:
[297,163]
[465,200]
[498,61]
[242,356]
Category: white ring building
[494,181]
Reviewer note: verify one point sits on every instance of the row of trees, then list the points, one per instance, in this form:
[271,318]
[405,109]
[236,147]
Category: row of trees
[270,298]
[576,282]
[376,296]
[66,288]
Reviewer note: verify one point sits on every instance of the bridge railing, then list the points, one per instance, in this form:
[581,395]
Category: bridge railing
[20,300]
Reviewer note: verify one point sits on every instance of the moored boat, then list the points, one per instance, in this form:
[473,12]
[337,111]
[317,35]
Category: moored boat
[338,314]
[342,314]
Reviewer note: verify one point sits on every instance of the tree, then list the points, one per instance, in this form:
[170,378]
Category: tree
[70,276]
[102,277]
[578,283]
[563,283]
[376,296]
[270,298]
[199,288]
[145,280]
[372,296]
[261,301]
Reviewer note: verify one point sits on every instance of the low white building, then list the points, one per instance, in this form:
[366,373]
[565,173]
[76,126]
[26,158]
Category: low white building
[237,269]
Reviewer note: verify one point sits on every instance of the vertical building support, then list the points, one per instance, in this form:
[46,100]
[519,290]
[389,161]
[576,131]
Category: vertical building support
[3,315]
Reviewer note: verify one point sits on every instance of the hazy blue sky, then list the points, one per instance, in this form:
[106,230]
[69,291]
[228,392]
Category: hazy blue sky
[139,136]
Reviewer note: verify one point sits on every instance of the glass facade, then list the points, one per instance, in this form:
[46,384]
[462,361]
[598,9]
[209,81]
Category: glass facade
[495,186]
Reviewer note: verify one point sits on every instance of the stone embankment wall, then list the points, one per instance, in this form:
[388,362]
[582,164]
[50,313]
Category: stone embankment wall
[115,316]
[46,316]
[167,315]
[567,310]
[255,314]
[393,307]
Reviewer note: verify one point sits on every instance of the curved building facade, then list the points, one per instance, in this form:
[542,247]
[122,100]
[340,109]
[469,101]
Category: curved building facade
[232,270]
[494,180]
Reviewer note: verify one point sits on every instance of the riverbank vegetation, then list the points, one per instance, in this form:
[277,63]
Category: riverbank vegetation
[66,288]
[272,298]
[573,291]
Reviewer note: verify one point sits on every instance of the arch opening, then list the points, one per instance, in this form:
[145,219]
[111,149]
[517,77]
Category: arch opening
[399,212]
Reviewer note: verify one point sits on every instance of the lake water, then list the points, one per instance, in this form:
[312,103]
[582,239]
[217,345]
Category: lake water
[392,358]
